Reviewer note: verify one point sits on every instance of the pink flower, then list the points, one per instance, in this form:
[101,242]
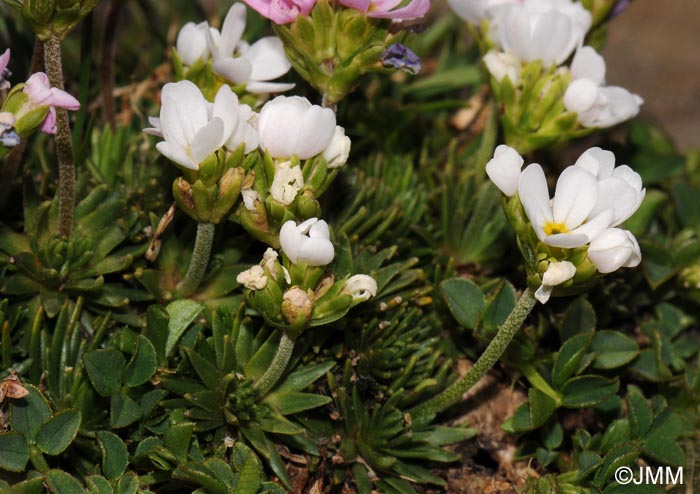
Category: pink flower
[40,93]
[382,9]
[4,72]
[281,11]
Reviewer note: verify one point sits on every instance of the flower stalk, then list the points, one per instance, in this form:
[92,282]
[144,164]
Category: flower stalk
[277,367]
[64,142]
[199,260]
[488,359]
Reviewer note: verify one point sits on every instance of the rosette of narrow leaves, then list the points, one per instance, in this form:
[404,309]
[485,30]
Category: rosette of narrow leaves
[242,474]
[57,481]
[378,444]
[54,269]
[334,47]
[216,382]
[53,17]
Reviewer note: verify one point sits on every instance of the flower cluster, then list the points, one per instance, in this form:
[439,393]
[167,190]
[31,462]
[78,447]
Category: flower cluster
[591,200]
[286,11]
[29,106]
[527,44]
[201,48]
[298,293]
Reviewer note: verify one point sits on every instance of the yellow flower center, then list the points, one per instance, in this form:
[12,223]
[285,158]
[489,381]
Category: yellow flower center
[554,228]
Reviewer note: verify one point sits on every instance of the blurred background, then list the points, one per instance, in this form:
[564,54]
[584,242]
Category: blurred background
[653,50]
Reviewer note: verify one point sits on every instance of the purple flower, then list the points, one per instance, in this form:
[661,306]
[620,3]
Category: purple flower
[400,57]
[40,93]
[619,7]
[4,71]
[384,9]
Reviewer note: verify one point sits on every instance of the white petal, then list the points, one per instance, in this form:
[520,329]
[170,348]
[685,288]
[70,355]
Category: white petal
[558,273]
[534,196]
[636,256]
[597,161]
[320,230]
[268,87]
[612,250]
[515,32]
[290,240]
[191,43]
[317,128]
[623,105]
[207,140]
[267,59]
[306,225]
[176,154]
[316,251]
[232,29]
[235,70]
[361,287]
[504,169]
[595,226]
[587,63]
[552,38]
[618,196]
[575,197]
[581,96]
[543,293]
[628,175]
[566,240]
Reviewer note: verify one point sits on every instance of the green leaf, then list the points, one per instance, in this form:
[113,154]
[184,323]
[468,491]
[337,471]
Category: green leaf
[465,300]
[59,482]
[613,349]
[182,313]
[115,456]
[142,365]
[177,440]
[156,330]
[639,413]
[535,412]
[105,368]
[28,413]
[56,434]
[688,206]
[569,358]
[128,484]
[289,403]
[660,443]
[579,318]
[97,484]
[249,469]
[307,375]
[621,455]
[500,307]
[123,411]
[441,435]
[14,451]
[588,390]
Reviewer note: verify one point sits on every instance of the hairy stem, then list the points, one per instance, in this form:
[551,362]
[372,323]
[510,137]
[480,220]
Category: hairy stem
[64,142]
[488,359]
[277,366]
[199,261]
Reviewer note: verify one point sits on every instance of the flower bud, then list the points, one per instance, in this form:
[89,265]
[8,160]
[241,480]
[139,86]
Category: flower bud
[297,305]
[613,249]
[504,169]
[338,151]
[308,242]
[253,278]
[557,273]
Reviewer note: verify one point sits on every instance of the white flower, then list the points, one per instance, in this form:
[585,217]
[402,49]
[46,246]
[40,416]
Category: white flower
[192,43]
[501,64]
[361,286]
[191,126]
[566,220]
[619,189]
[338,151]
[547,30]
[556,274]
[253,278]
[250,197]
[292,126]
[590,197]
[504,169]
[155,129]
[307,243]
[595,104]
[240,63]
[613,249]
[287,183]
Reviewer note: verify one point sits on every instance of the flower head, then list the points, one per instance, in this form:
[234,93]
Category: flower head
[240,63]
[253,278]
[595,104]
[308,242]
[281,11]
[192,127]
[400,57]
[547,30]
[386,9]
[40,93]
[291,125]
[287,183]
